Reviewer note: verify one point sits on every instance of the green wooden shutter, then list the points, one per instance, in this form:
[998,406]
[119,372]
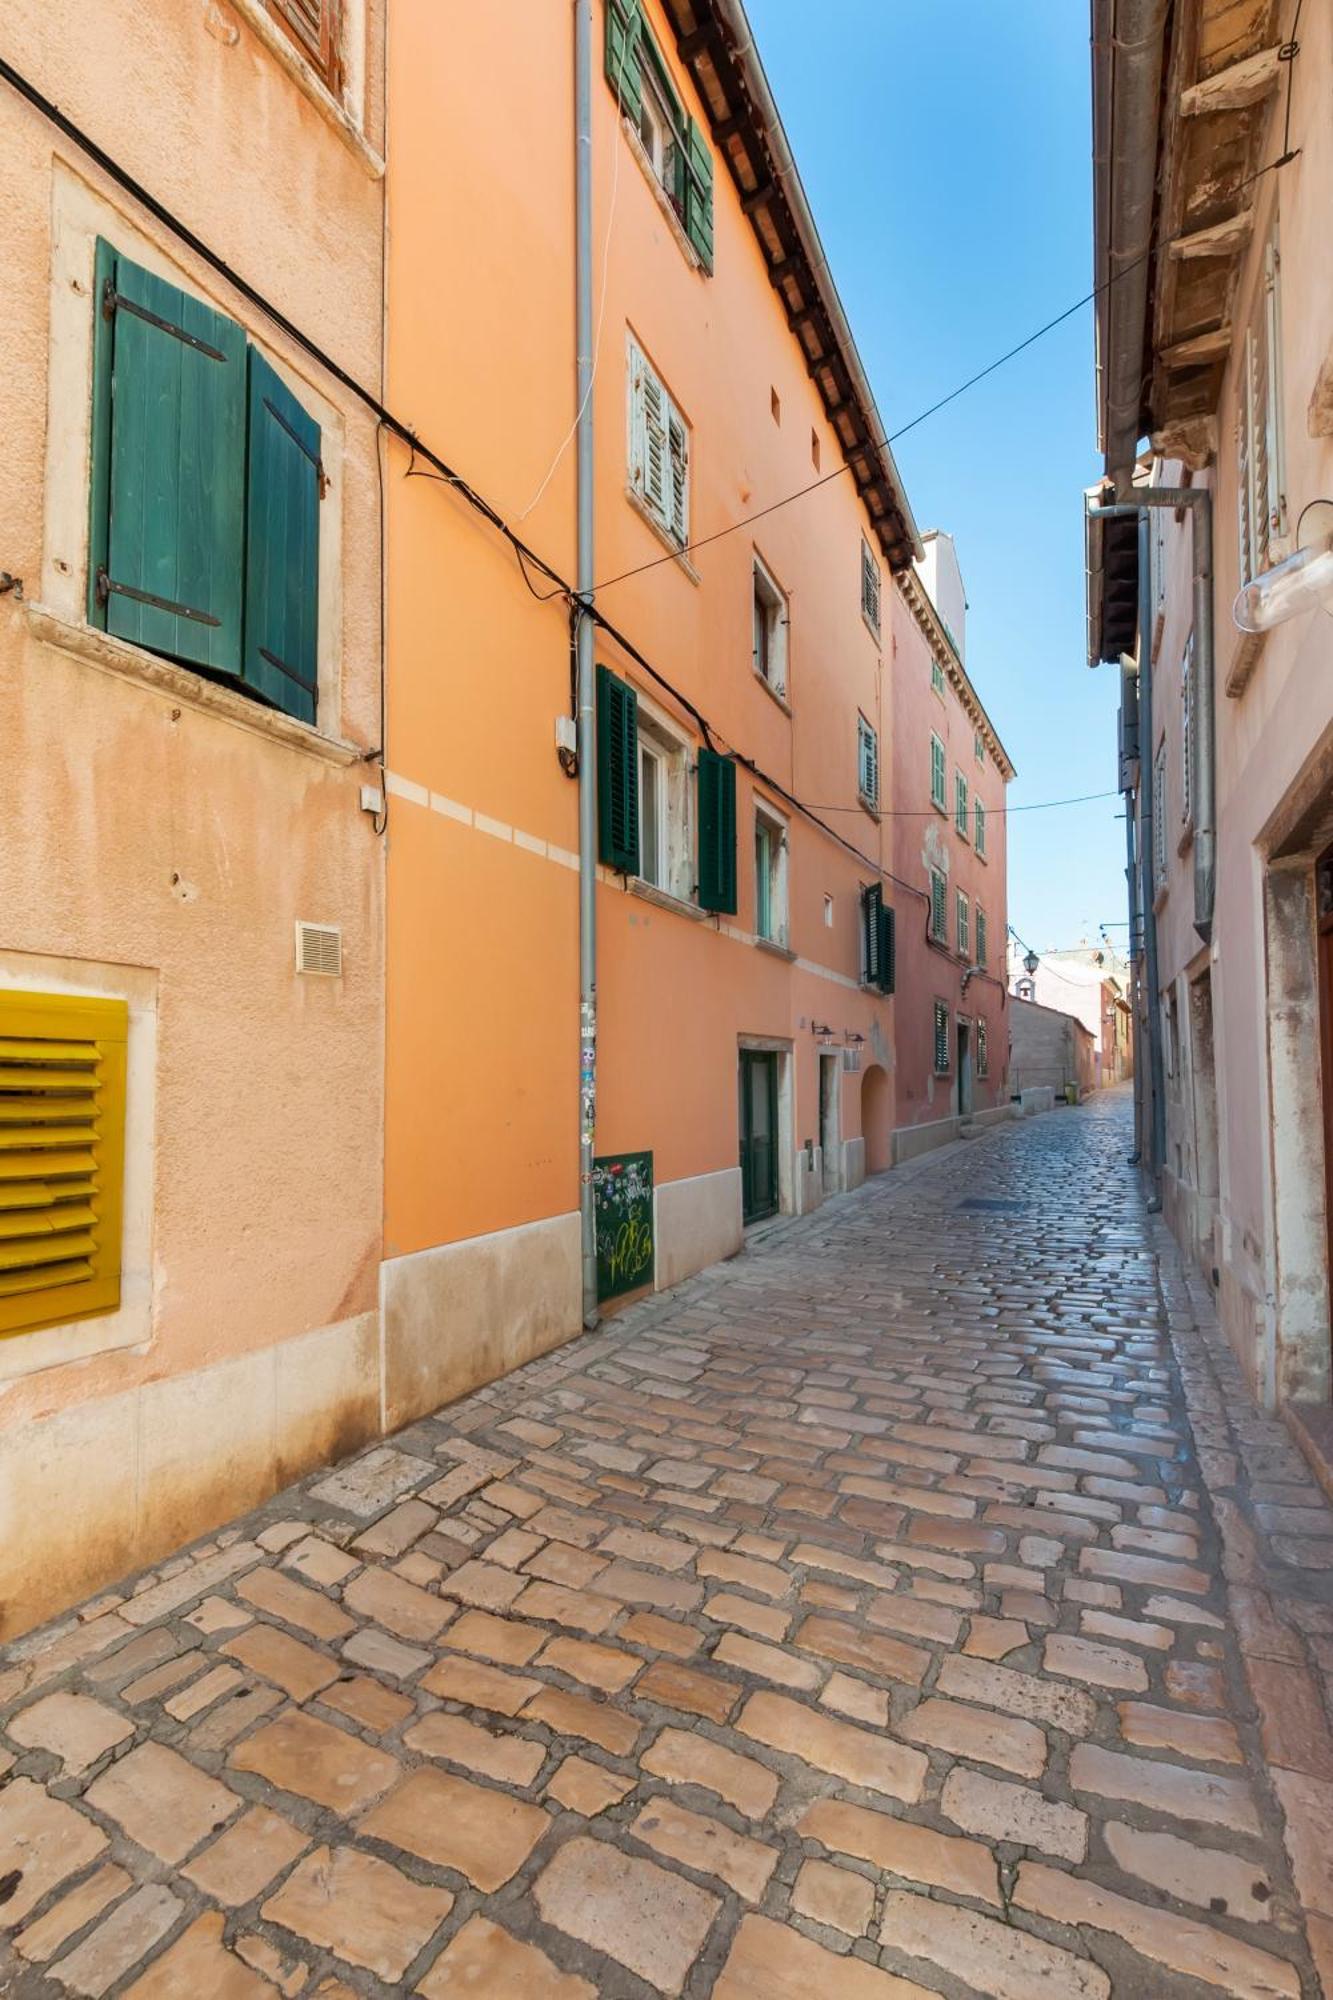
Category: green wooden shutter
[717,832]
[872,912]
[168,479]
[617,772]
[282,546]
[888,951]
[624,28]
[699,193]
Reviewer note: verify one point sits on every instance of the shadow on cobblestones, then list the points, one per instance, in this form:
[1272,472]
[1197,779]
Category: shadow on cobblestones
[913,1606]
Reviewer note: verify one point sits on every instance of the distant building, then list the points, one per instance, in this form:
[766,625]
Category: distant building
[1050,1050]
[1091,982]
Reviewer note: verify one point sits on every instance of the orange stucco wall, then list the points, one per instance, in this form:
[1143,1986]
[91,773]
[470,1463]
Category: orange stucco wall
[482,1047]
[159,838]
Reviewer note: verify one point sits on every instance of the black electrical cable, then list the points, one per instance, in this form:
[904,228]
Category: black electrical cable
[444,472]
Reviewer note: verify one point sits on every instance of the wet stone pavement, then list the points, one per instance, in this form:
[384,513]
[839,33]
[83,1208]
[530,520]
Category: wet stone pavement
[913,1606]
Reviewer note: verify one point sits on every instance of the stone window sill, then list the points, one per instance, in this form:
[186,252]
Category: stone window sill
[668,541]
[664,900]
[779,695]
[116,656]
[335,115]
[778,949]
[868,805]
[663,200]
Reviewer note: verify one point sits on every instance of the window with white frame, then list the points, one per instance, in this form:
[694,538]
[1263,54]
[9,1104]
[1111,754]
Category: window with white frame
[937,773]
[659,129]
[961,819]
[939,903]
[979,749]
[983,1047]
[867,762]
[770,876]
[1260,469]
[664,817]
[979,828]
[659,449]
[770,620]
[964,913]
[937,678]
[1159,817]
[1187,733]
[869,586]
[981,935]
[941,1038]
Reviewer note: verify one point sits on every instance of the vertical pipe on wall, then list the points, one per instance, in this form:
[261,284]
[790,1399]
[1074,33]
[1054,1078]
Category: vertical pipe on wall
[587,720]
[1147,848]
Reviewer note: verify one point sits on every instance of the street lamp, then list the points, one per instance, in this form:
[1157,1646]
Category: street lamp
[1030,964]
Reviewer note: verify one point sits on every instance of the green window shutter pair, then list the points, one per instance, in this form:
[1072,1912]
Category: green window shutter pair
[617,773]
[206,478]
[717,832]
[627,41]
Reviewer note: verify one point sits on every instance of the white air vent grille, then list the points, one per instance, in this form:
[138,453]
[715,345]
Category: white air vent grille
[319,948]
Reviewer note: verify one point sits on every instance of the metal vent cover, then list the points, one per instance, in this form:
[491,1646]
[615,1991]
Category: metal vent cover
[319,949]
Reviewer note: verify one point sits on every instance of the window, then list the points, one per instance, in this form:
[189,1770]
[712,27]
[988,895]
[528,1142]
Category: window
[770,623]
[878,940]
[979,749]
[316,28]
[979,828]
[62,1103]
[939,895]
[673,142]
[828,913]
[814,449]
[937,678]
[983,1045]
[1187,733]
[937,767]
[770,877]
[659,451]
[869,587]
[775,405]
[963,914]
[1260,471]
[981,936]
[1159,816]
[652,813]
[867,766]
[941,1038]
[204,519]
[961,822]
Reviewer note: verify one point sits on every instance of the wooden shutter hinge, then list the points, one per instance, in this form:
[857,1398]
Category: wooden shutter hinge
[104,587]
[114,302]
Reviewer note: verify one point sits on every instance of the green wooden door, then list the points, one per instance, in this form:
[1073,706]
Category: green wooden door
[758,1133]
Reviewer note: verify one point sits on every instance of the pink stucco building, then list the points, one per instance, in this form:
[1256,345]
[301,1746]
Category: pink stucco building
[1215,375]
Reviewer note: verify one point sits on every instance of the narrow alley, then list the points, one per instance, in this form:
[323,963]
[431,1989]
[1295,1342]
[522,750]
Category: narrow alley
[914,1605]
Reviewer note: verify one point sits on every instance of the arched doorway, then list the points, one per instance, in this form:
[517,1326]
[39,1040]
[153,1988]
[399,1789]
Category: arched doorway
[875,1118]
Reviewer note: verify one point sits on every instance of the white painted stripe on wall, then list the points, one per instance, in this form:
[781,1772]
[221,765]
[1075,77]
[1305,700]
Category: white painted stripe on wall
[407,788]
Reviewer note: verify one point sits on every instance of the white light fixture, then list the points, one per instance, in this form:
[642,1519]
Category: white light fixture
[1301,583]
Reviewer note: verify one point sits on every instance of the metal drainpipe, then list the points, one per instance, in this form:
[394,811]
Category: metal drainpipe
[587,718]
[1135,949]
[1152,1008]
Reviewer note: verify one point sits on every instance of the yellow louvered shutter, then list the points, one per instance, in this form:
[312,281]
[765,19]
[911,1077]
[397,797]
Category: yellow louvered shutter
[62,1149]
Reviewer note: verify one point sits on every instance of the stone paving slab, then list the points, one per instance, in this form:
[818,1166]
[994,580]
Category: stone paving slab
[914,1606]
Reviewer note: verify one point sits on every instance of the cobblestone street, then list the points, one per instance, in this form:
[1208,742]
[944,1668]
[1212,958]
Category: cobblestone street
[914,1606]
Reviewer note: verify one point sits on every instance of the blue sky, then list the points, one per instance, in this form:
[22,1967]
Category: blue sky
[945,151]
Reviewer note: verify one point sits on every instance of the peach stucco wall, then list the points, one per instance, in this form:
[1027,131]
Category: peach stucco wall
[160,838]
[482,1050]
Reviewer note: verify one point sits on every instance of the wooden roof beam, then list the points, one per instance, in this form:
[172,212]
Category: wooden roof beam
[1201,347]
[1233,88]
[1220,239]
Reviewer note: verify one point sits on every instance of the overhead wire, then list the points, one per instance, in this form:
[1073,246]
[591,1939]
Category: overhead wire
[442,471]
